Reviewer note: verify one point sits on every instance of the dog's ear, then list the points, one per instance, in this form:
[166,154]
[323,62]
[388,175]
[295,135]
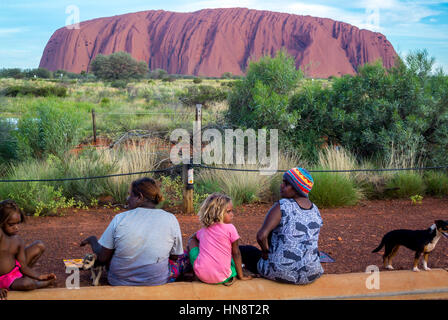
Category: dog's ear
[440,223]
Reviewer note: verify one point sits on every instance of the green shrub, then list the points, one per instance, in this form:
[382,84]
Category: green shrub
[334,190]
[38,198]
[88,164]
[48,130]
[118,65]
[197,80]
[261,98]
[105,101]
[436,183]
[169,78]
[242,187]
[8,142]
[14,91]
[119,84]
[172,190]
[405,185]
[205,186]
[202,94]
[369,112]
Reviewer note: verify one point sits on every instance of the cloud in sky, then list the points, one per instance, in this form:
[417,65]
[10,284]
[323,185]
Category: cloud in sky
[10,31]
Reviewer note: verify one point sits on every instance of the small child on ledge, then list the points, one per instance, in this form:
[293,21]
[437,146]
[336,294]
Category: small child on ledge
[16,260]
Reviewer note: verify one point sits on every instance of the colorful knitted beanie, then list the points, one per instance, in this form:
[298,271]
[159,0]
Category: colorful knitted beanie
[300,179]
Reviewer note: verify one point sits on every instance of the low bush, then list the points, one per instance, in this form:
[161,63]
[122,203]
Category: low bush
[37,198]
[172,190]
[436,183]
[202,94]
[119,84]
[243,187]
[8,142]
[48,130]
[46,91]
[88,164]
[334,190]
[405,185]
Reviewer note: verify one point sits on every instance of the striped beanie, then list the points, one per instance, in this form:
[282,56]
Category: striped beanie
[300,179]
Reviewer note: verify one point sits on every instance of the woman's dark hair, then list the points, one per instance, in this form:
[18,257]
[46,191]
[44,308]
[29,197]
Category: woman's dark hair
[148,188]
[7,208]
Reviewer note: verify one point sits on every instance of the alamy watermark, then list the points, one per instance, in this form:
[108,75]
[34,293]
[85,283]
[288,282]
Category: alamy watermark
[227,149]
[372,13]
[72,281]
[373,280]
[73,21]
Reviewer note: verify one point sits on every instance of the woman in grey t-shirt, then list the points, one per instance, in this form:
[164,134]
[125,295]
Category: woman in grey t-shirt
[137,243]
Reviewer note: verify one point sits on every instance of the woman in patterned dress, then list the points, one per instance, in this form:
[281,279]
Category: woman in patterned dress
[289,235]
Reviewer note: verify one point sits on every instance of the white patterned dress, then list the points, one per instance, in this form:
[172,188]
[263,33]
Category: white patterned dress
[293,252]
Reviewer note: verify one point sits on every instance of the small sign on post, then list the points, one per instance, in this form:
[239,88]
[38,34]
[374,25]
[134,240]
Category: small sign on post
[187,177]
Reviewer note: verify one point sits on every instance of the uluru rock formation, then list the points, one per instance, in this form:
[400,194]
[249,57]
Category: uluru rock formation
[210,42]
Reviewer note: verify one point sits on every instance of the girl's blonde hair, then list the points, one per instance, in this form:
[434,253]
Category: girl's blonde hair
[213,208]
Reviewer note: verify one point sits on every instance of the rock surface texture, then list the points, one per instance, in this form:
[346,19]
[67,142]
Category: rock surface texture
[210,42]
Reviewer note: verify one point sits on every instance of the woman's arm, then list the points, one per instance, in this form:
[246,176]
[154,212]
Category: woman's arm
[236,255]
[104,255]
[178,249]
[271,221]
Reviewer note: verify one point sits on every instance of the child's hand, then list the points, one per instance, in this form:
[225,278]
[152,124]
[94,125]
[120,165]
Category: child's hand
[46,277]
[3,294]
[243,277]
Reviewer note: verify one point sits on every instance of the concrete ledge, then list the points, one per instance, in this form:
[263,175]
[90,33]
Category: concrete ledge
[393,285]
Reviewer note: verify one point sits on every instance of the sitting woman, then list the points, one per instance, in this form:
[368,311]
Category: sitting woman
[138,243]
[289,235]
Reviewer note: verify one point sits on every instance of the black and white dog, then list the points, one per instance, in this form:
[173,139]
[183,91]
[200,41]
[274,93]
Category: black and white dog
[90,262]
[420,241]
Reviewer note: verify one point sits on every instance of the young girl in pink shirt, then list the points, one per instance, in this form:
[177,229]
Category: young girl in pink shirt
[213,250]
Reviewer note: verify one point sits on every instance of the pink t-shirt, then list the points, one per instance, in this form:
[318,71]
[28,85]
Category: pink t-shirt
[215,252]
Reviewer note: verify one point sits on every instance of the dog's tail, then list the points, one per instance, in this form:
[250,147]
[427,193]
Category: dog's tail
[380,246]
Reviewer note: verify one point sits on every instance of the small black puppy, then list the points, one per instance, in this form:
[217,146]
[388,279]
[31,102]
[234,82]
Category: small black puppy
[420,241]
[96,269]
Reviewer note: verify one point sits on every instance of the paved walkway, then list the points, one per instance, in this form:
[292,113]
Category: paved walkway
[392,285]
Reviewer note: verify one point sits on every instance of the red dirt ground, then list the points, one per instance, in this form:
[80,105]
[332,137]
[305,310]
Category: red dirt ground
[349,234]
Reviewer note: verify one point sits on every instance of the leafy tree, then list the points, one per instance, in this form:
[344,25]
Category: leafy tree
[378,110]
[118,66]
[373,114]
[158,74]
[261,98]
[41,73]
[11,73]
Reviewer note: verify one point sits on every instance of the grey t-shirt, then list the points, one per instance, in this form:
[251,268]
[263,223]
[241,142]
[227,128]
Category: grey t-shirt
[143,240]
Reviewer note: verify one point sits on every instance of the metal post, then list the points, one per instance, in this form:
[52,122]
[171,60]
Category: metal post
[94,126]
[187,169]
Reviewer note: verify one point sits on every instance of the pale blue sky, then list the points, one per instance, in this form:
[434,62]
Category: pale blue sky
[27,25]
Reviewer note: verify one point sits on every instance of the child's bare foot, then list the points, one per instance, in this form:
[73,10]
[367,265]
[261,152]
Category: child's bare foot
[44,284]
[230,282]
[45,277]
